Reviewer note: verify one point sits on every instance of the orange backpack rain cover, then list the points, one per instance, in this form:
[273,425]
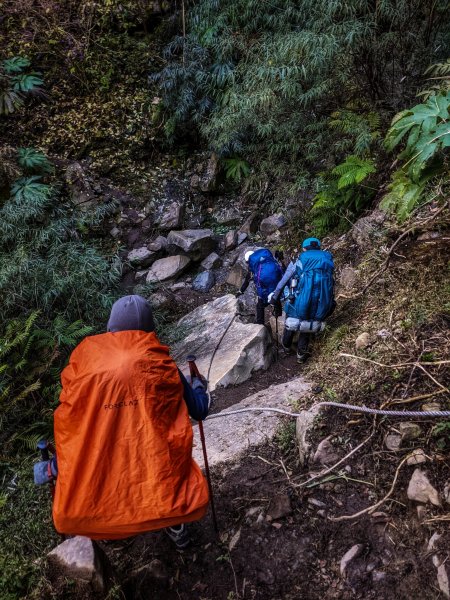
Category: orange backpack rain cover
[124,441]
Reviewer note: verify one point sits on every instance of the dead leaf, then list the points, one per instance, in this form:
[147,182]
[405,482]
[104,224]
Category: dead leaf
[234,540]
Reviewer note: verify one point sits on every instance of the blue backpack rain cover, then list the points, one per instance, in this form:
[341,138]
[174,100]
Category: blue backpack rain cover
[266,272]
[315,295]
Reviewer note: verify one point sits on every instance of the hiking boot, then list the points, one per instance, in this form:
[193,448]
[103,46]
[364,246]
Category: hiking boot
[302,357]
[286,349]
[179,535]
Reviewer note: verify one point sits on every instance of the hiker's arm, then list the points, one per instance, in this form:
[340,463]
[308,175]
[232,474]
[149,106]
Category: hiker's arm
[284,280]
[247,280]
[196,398]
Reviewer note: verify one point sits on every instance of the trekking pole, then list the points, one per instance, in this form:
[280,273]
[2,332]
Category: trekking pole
[193,369]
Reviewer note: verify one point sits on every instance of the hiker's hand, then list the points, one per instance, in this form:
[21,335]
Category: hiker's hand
[277,309]
[272,299]
[198,382]
[237,294]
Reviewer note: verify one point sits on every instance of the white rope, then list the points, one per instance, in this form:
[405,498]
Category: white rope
[362,409]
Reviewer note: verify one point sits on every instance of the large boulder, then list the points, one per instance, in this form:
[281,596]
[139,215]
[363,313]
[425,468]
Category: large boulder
[228,216]
[196,243]
[229,437]
[168,268]
[245,348]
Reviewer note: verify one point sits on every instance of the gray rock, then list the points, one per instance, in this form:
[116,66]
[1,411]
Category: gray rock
[362,341]
[409,431]
[158,245]
[141,257]
[141,274]
[431,406]
[304,424]
[212,261]
[204,282]
[230,438]
[172,217]
[80,558]
[196,243]
[350,555]
[326,453]
[251,223]
[348,278]
[208,182]
[443,578]
[115,232]
[236,275]
[279,506]
[446,493]
[272,224]
[393,441]
[167,268]
[421,490]
[244,349]
[230,240]
[247,302]
[241,237]
[228,216]
[417,457]
[367,229]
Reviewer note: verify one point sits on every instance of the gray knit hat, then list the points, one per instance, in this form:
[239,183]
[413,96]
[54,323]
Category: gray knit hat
[131,312]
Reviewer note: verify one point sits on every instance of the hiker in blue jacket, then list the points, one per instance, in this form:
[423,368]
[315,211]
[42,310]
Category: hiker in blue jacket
[266,271]
[311,299]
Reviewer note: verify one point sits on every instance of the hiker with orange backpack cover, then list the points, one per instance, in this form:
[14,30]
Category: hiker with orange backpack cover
[123,435]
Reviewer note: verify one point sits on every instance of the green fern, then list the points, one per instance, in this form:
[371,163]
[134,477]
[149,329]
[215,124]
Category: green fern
[440,74]
[30,189]
[33,160]
[16,64]
[353,171]
[236,169]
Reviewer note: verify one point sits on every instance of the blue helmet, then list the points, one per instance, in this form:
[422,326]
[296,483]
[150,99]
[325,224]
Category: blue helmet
[310,243]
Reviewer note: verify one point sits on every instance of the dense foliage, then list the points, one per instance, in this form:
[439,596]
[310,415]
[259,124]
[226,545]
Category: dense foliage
[294,87]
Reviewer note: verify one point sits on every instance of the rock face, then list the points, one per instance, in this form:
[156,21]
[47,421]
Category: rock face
[167,268]
[212,261]
[196,243]
[80,559]
[229,437]
[245,347]
[204,282]
[421,490]
[228,216]
[236,276]
[272,224]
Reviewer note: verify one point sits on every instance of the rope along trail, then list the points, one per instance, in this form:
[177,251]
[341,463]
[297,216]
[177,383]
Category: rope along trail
[362,409]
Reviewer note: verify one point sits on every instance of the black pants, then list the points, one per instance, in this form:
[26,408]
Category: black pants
[303,340]
[261,305]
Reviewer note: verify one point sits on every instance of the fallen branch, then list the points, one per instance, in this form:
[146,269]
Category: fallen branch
[329,469]
[374,506]
[413,398]
[436,363]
